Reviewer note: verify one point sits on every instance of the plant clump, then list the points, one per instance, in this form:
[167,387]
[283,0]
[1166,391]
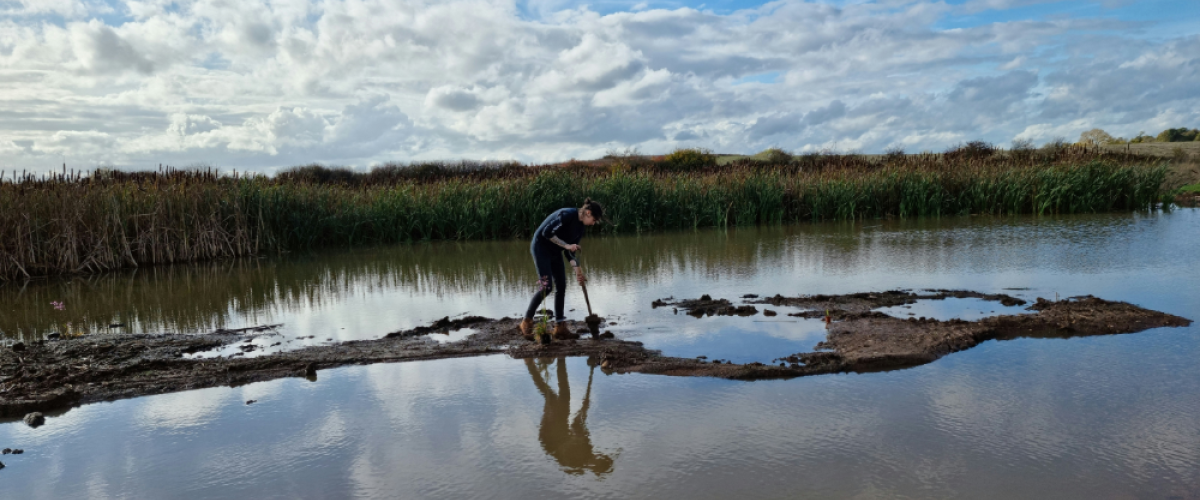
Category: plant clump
[78,223]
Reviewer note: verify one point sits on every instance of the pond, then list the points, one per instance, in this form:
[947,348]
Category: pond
[1095,417]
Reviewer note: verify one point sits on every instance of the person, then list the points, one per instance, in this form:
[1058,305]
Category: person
[558,237]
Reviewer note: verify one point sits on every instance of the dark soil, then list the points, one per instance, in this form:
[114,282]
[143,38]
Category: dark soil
[593,323]
[60,374]
[707,306]
[861,303]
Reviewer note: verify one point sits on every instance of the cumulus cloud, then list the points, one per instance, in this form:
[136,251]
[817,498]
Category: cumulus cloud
[100,49]
[269,83]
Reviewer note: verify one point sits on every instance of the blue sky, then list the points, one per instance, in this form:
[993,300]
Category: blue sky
[266,84]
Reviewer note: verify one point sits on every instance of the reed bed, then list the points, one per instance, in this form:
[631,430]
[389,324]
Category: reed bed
[76,223]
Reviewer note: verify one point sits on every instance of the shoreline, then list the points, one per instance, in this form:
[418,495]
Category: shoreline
[56,375]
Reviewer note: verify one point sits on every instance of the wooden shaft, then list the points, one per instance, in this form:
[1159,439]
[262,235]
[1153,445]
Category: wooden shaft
[585,296]
[585,299]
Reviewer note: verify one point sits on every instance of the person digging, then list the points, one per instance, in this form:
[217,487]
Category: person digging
[558,237]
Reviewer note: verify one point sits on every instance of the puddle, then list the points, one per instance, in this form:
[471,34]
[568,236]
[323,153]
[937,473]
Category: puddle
[969,309]
[261,345]
[450,336]
[729,338]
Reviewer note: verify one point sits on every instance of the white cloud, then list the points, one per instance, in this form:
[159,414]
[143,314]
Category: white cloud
[270,83]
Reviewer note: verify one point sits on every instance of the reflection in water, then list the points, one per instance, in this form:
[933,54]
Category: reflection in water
[564,438]
[1081,418]
[417,277]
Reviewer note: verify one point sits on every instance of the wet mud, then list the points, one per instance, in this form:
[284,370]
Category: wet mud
[51,375]
[706,306]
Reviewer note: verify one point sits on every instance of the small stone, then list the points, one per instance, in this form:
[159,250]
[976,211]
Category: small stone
[34,419]
[768,312]
[310,370]
[54,336]
[18,451]
[18,347]
[6,451]
[607,335]
[705,297]
[1,465]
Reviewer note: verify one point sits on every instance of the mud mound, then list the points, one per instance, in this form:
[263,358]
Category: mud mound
[706,306]
[59,374]
[859,303]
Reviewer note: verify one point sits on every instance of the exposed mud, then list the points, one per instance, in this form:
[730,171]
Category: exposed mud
[706,306]
[856,304]
[59,374]
[593,323]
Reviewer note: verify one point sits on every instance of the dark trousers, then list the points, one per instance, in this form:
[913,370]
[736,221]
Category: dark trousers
[549,263]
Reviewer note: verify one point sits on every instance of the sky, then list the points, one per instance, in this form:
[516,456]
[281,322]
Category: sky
[269,84]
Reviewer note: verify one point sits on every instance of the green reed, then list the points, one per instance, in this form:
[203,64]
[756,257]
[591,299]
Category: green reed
[78,224]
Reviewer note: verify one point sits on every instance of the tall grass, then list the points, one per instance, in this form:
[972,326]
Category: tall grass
[109,220]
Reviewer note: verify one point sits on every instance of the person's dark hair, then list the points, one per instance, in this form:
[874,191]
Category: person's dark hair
[595,208]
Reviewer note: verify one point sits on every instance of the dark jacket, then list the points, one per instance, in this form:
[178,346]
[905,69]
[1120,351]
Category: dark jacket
[564,224]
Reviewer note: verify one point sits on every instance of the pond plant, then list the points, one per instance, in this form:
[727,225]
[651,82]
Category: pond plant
[102,220]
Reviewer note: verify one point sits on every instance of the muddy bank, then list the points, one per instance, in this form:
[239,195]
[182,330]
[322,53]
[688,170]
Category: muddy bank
[859,303]
[60,374]
[64,373]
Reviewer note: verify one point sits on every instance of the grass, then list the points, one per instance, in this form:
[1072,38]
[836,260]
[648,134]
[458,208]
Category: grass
[109,220]
[1162,149]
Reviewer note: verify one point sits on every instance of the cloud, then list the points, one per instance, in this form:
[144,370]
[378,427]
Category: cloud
[102,50]
[269,83]
[451,98]
[183,124]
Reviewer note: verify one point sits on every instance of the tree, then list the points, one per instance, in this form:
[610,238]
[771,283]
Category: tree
[1181,134]
[1095,137]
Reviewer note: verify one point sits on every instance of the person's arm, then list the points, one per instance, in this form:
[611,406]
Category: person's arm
[571,257]
[551,235]
[566,249]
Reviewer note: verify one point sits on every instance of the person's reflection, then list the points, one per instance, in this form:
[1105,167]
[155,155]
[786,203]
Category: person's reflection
[566,439]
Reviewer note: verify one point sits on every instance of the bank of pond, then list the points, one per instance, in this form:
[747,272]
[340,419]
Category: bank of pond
[105,220]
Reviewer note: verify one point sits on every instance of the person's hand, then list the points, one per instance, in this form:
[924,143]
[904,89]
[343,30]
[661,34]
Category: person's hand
[579,276]
[573,248]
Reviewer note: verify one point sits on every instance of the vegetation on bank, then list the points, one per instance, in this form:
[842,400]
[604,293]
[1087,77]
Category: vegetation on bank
[107,220]
[1097,137]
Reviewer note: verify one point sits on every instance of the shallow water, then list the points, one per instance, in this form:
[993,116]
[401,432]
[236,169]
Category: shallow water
[1100,417]
[969,309]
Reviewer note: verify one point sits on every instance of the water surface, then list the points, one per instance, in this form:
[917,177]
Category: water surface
[1099,417]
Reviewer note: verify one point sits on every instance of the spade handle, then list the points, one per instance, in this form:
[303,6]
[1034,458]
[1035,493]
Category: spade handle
[585,295]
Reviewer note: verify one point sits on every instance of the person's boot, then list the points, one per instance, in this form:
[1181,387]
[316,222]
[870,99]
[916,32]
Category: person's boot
[561,332]
[526,328]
